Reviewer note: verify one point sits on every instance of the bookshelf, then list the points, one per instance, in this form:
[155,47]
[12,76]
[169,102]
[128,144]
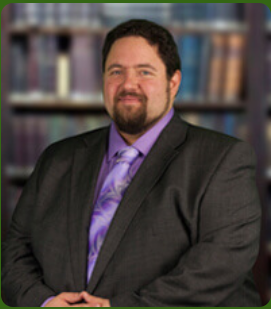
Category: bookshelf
[52,105]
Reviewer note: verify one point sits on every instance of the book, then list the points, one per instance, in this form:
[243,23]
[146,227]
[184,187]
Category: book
[115,13]
[63,76]
[268,71]
[19,151]
[227,123]
[234,67]
[48,64]
[18,66]
[223,15]
[85,14]
[33,133]
[84,80]
[204,67]
[190,53]
[186,14]
[33,66]
[33,13]
[49,14]
[217,66]
[64,14]
[18,14]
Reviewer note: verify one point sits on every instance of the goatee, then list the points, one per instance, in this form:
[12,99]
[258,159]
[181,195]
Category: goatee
[127,118]
[133,119]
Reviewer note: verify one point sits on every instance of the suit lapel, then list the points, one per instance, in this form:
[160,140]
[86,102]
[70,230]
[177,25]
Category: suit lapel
[85,170]
[160,156]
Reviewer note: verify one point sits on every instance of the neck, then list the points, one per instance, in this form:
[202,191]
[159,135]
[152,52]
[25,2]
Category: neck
[130,139]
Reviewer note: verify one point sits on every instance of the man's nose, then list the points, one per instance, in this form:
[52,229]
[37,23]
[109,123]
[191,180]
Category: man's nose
[130,80]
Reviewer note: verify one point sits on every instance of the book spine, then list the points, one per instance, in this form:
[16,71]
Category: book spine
[20,142]
[33,65]
[41,135]
[49,14]
[217,66]
[64,14]
[50,61]
[18,67]
[224,13]
[83,64]
[190,47]
[204,67]
[63,75]
[268,56]
[234,67]
[32,14]
[18,14]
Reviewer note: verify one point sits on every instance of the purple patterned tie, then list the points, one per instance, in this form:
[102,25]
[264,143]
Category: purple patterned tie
[108,200]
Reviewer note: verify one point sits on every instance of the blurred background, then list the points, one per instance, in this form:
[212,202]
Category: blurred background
[51,83]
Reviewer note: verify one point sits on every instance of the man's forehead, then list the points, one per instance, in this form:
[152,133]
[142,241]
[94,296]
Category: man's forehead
[133,42]
[132,51]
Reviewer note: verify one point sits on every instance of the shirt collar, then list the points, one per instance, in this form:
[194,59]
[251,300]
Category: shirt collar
[143,144]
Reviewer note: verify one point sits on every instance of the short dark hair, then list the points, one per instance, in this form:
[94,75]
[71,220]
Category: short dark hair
[154,34]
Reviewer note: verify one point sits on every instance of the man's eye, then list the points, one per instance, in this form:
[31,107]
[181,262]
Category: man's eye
[145,73]
[116,72]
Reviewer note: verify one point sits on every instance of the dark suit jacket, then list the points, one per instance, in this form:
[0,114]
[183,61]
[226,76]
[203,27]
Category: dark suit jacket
[185,234]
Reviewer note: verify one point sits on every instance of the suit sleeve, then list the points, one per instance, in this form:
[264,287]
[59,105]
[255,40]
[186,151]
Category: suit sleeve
[22,278]
[228,239]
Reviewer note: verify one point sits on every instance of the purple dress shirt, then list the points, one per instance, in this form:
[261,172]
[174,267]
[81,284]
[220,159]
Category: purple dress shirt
[116,143]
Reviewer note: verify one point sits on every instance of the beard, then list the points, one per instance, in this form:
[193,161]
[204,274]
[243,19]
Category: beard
[134,121]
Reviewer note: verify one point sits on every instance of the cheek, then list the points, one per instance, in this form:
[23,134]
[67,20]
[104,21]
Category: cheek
[155,91]
[109,90]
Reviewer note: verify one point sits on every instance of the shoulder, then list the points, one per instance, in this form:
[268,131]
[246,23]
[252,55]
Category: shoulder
[210,144]
[206,136]
[64,149]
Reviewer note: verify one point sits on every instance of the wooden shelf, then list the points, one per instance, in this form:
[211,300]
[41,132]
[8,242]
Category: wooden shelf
[57,30]
[91,105]
[62,105]
[178,28]
[18,175]
[54,104]
[209,106]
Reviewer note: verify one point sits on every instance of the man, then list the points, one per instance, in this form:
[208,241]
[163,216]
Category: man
[149,212]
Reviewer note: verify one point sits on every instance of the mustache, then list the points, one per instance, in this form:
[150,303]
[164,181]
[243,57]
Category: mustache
[140,97]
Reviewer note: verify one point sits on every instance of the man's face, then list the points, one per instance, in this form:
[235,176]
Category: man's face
[136,90]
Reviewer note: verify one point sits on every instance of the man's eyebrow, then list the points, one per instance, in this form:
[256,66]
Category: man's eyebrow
[114,65]
[143,65]
[146,65]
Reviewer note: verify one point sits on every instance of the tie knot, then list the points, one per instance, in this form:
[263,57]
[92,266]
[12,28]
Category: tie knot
[127,154]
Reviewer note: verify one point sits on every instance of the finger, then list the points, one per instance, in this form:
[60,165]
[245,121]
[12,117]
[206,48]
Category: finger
[71,297]
[90,298]
[80,305]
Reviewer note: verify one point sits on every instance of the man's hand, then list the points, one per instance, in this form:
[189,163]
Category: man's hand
[82,299]
[67,299]
[93,301]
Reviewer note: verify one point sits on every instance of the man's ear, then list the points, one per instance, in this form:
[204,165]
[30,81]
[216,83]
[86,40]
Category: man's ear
[175,82]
